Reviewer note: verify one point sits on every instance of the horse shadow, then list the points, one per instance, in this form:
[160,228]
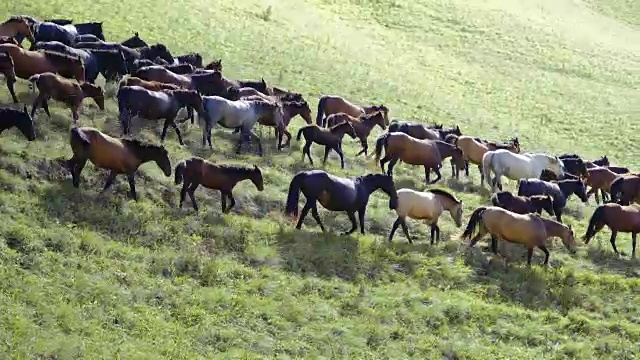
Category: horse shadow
[609,261]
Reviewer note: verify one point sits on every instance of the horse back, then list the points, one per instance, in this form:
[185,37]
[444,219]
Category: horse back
[336,104]
[526,229]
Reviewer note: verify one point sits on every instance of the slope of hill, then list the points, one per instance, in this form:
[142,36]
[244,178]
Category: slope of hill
[89,276]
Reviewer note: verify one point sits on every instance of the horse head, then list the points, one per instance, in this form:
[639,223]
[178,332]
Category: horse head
[25,124]
[257,179]
[569,240]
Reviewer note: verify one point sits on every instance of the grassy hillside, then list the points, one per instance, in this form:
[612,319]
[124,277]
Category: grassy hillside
[89,276]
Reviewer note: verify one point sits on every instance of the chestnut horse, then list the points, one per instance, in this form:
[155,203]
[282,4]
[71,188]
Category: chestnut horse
[625,189]
[7,69]
[362,125]
[196,171]
[427,206]
[599,178]
[149,85]
[530,230]
[523,204]
[474,149]
[28,63]
[17,26]
[330,104]
[70,92]
[428,153]
[121,156]
[618,218]
[331,138]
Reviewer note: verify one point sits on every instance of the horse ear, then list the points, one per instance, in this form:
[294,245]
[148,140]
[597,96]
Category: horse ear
[136,34]
[25,109]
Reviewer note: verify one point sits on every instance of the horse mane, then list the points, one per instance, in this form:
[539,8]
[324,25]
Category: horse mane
[58,57]
[263,103]
[15,19]
[238,169]
[445,194]
[340,124]
[140,148]
[367,117]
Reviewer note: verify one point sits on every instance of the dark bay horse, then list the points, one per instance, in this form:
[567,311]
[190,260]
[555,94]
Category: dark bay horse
[194,59]
[523,204]
[363,125]
[330,104]
[625,189]
[337,194]
[331,138]
[121,156]
[416,130]
[134,42]
[196,171]
[560,191]
[17,118]
[618,218]
[149,52]
[8,70]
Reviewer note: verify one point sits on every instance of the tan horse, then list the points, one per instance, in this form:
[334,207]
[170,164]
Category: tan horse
[330,104]
[530,230]
[28,63]
[362,125]
[599,178]
[16,25]
[619,219]
[427,206]
[474,150]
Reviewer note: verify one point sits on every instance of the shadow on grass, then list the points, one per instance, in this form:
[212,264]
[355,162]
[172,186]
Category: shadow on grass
[468,187]
[609,261]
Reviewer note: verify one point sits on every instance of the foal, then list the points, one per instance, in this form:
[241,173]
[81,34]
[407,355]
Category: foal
[362,125]
[331,138]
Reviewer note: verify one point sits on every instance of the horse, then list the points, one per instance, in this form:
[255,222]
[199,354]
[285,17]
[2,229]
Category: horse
[560,191]
[148,52]
[362,125]
[473,150]
[337,194]
[602,161]
[121,156]
[21,119]
[618,218]
[196,171]
[209,83]
[18,28]
[575,166]
[427,206]
[134,42]
[28,63]
[286,94]
[215,65]
[48,31]
[238,114]
[428,153]
[70,92]
[86,38]
[330,104]
[8,70]
[530,230]
[155,105]
[331,138]
[90,28]
[416,130]
[517,166]
[181,69]
[523,204]
[194,59]
[149,85]
[600,178]
[625,189]
[244,92]
[261,85]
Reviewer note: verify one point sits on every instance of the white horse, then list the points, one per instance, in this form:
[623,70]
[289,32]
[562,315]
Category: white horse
[427,206]
[240,114]
[518,166]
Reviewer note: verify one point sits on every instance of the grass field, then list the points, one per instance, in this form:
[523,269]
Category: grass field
[88,276]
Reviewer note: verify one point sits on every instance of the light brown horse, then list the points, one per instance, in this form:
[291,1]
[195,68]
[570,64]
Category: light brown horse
[28,63]
[428,153]
[363,125]
[7,69]
[599,178]
[121,156]
[618,218]
[331,138]
[149,85]
[330,104]
[474,150]
[197,171]
[70,92]
[17,25]
[530,230]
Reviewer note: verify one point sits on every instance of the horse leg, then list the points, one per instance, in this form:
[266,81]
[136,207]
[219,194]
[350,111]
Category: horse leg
[592,191]
[307,150]
[10,82]
[316,216]
[288,135]
[405,229]
[433,234]
[338,149]
[175,127]
[633,245]
[183,193]
[427,174]
[437,232]
[613,241]
[303,213]
[76,169]
[558,212]
[35,105]
[605,196]
[481,175]
[494,244]
[365,148]
[74,115]
[383,161]
[438,175]
[223,201]
[132,185]
[392,163]
[231,200]
[326,154]
[239,143]
[546,255]
[45,106]
[191,191]
[354,224]
[394,227]
[529,255]
[481,232]
[361,213]
[110,178]
[257,138]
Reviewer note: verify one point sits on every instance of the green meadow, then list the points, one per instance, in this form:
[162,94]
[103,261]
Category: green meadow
[90,276]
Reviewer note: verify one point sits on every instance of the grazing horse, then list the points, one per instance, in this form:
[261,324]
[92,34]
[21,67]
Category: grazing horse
[149,85]
[238,114]
[194,59]
[155,105]
[474,149]
[70,92]
[331,138]
[28,63]
[618,218]
[560,191]
[428,153]
[17,118]
[337,194]
[362,125]
[416,130]
[196,171]
[121,156]
[530,230]
[625,189]
[427,206]
[8,70]
[330,104]
[517,166]
[18,28]
[134,42]
[523,204]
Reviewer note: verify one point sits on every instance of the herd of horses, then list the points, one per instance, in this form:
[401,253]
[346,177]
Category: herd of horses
[66,58]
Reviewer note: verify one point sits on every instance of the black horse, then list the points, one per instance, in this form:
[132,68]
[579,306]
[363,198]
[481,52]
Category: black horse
[19,118]
[337,194]
[135,42]
[560,191]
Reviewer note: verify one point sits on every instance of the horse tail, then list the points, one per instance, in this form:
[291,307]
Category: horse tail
[596,220]
[291,208]
[77,136]
[321,104]
[487,162]
[476,217]
[495,201]
[179,170]
[381,142]
[33,82]
[123,109]
[615,189]
[300,133]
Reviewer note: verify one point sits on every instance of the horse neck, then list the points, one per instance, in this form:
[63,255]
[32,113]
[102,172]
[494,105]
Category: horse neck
[447,203]
[340,130]
[554,228]
[445,149]
[368,185]
[567,187]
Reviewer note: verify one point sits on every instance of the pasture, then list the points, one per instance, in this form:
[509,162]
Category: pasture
[84,275]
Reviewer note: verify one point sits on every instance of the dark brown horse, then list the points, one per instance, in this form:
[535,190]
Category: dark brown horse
[7,69]
[560,191]
[121,156]
[196,171]
[69,92]
[330,104]
[416,130]
[412,151]
[523,204]
[625,189]
[362,125]
[20,118]
[215,65]
[618,218]
[331,138]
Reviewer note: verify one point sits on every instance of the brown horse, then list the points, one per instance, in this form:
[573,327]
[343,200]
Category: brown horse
[28,63]
[474,149]
[70,92]
[363,125]
[149,85]
[196,171]
[530,230]
[523,204]
[618,218]
[9,40]
[599,178]
[121,156]
[625,189]
[17,25]
[210,83]
[330,104]
[428,153]
[7,69]
[331,138]
[416,130]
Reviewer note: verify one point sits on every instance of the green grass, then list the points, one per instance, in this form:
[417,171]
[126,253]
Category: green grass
[85,276]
